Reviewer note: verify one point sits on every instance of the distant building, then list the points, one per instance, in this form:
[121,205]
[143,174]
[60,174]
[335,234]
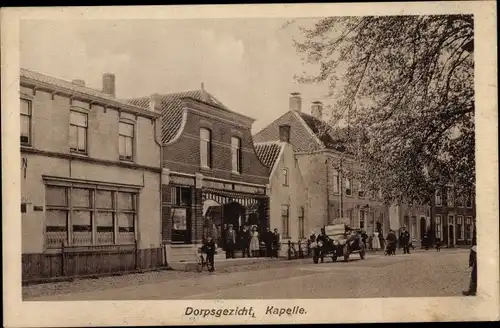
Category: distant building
[288,192]
[212,176]
[90,177]
[331,193]
[453,216]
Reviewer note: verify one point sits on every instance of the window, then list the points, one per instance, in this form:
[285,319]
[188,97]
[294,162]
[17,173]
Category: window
[336,181]
[450,197]
[205,148]
[81,213]
[438,199]
[361,219]
[361,192]
[413,228]
[180,214]
[350,216]
[285,220]
[285,177]
[438,227]
[468,227]
[468,202]
[460,199]
[126,141]
[348,190]
[302,232]
[236,154]
[25,122]
[78,132]
[460,228]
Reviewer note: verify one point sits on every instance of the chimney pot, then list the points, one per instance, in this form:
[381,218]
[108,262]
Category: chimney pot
[295,101]
[108,84]
[79,82]
[155,102]
[284,133]
[317,109]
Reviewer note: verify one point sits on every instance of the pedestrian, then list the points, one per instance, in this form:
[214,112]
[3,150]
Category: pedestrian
[254,242]
[245,242]
[324,239]
[230,242]
[472,263]
[391,243]
[223,236]
[438,244]
[276,243]
[268,241]
[209,249]
[376,241]
[381,239]
[364,237]
[404,239]
[425,241]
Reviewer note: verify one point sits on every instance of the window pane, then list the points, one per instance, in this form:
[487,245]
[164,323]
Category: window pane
[104,221]
[125,201]
[56,221]
[205,134]
[82,138]
[104,199]
[56,196]
[234,160]
[126,129]
[235,142]
[25,125]
[77,118]
[73,137]
[80,197]
[128,147]
[125,222]
[25,107]
[204,153]
[121,145]
[81,221]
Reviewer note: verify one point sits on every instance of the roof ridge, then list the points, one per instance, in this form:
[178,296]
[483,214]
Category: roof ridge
[67,81]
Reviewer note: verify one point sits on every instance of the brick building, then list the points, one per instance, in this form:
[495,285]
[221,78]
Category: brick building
[288,191]
[453,216]
[331,193]
[90,177]
[211,173]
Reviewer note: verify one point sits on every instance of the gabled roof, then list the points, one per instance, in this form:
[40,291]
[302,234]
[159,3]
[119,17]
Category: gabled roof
[75,88]
[172,109]
[269,152]
[324,132]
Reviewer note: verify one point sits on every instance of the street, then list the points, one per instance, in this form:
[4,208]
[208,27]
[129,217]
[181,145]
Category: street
[420,274]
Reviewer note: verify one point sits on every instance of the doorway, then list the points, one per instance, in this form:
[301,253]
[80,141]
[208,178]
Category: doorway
[423,227]
[451,235]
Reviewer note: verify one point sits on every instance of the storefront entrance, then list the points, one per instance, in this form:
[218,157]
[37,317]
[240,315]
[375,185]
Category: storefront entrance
[451,236]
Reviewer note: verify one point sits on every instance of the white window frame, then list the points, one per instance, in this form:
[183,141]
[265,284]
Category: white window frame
[78,128]
[236,154]
[438,229]
[285,220]
[336,182]
[438,197]
[206,142]
[286,177]
[29,117]
[125,156]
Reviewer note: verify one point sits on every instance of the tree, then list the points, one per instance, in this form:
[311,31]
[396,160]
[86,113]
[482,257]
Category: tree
[405,86]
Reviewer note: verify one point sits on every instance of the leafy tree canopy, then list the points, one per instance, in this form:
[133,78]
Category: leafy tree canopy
[405,85]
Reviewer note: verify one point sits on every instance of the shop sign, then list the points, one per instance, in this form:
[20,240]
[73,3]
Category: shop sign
[181,180]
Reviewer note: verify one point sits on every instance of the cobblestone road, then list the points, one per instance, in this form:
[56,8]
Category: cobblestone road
[418,274]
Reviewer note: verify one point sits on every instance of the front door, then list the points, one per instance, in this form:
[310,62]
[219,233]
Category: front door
[423,227]
[451,236]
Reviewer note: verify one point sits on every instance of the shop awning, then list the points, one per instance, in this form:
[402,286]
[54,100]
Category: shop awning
[222,197]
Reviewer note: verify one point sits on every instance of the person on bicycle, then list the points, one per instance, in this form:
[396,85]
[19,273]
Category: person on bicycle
[323,238]
[209,249]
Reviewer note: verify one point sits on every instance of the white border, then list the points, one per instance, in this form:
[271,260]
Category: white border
[42,314]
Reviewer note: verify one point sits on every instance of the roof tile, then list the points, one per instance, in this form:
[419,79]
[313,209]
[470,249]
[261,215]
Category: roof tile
[268,152]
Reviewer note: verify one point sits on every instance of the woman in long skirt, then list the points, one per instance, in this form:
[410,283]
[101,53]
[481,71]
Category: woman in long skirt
[375,241]
[254,242]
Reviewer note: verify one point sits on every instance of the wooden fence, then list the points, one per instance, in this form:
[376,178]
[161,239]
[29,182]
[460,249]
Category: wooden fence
[84,262]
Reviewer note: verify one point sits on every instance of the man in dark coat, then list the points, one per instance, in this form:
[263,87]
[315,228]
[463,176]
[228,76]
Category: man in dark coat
[245,242]
[323,238]
[472,263]
[230,242]
[404,239]
[276,243]
[209,249]
[268,240]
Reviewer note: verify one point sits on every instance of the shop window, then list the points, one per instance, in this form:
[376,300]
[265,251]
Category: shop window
[180,214]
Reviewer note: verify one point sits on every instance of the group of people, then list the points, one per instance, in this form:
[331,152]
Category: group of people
[246,238]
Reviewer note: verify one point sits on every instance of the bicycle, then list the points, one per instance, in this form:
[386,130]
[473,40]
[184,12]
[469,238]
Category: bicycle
[202,262]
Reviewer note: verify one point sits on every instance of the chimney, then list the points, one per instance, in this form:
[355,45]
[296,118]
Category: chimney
[285,133]
[317,110]
[79,82]
[295,101]
[108,84]
[155,102]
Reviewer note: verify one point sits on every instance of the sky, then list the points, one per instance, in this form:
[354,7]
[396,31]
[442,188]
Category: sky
[248,64]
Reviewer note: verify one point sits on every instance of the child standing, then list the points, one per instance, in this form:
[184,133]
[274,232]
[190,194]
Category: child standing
[438,244]
[209,249]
